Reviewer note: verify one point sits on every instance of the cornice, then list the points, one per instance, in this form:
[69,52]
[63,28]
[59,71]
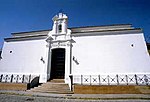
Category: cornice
[25,38]
[108,32]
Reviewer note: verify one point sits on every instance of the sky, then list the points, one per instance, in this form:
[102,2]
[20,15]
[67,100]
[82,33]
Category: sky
[32,15]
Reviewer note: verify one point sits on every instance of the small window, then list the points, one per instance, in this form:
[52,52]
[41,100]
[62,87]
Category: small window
[60,28]
[132,45]
[10,51]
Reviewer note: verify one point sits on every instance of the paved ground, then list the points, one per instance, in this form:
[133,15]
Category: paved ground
[19,98]
[24,96]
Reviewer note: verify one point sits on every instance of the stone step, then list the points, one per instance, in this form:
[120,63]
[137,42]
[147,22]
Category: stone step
[53,86]
[67,90]
[57,81]
[53,83]
[55,92]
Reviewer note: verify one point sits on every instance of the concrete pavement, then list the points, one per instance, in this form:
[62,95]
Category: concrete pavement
[79,96]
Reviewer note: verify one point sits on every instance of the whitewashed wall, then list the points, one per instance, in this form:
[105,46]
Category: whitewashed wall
[24,57]
[110,54]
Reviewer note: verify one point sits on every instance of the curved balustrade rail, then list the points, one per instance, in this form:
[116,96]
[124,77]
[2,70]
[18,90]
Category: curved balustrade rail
[16,78]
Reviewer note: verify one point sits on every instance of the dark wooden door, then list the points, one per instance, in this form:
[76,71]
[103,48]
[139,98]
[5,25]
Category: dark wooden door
[58,63]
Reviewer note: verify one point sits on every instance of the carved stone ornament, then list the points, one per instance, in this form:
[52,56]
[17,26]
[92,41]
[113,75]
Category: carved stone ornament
[58,44]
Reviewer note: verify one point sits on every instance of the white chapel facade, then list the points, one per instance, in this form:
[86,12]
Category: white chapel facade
[96,55]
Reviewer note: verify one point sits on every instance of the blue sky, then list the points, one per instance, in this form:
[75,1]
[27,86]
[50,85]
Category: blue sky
[30,15]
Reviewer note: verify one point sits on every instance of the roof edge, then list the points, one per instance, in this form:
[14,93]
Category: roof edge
[14,33]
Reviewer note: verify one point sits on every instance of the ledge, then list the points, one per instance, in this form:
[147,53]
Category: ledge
[13,86]
[111,89]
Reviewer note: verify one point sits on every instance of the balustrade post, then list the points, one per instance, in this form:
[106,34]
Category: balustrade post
[108,80]
[81,79]
[29,78]
[90,80]
[1,78]
[126,79]
[17,78]
[146,79]
[23,78]
[6,77]
[136,80]
[11,78]
[99,79]
[117,79]
[71,81]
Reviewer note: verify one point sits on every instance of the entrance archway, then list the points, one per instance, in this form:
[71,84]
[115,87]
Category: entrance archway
[58,63]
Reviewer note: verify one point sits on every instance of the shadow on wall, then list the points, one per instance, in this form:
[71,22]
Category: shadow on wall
[148,47]
[0,54]
[34,83]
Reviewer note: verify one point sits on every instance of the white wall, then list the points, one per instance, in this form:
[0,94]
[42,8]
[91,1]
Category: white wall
[25,57]
[110,54]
